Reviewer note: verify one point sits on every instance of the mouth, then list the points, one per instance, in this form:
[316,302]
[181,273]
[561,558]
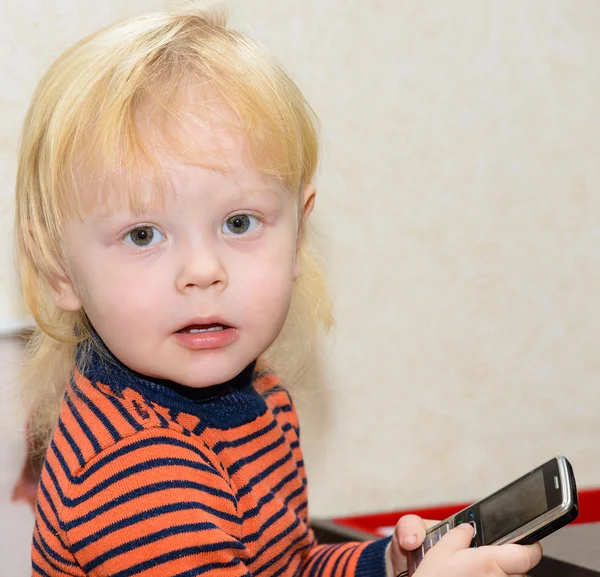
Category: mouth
[212,327]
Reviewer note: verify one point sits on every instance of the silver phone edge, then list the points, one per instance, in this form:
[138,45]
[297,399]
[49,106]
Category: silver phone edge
[527,529]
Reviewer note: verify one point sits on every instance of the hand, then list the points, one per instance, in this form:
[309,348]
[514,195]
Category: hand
[408,535]
[451,557]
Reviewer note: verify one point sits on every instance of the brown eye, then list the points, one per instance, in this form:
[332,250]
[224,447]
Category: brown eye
[240,224]
[143,236]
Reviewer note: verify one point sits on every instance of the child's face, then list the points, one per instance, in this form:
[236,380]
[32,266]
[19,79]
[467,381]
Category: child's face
[220,254]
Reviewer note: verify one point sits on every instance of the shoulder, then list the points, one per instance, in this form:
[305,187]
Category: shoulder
[154,480]
[277,397]
[156,463]
[96,420]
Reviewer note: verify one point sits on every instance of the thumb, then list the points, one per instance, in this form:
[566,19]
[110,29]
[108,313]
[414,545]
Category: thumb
[459,538]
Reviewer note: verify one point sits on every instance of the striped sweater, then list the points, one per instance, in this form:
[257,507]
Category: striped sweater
[140,480]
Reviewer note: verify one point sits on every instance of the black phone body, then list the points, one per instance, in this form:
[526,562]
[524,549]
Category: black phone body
[523,512]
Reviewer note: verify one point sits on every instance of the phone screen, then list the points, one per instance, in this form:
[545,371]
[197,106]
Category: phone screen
[513,507]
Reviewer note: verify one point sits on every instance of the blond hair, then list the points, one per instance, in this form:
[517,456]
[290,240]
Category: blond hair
[82,121]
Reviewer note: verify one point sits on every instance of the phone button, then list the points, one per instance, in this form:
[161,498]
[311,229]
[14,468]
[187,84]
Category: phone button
[472,523]
[432,538]
[474,540]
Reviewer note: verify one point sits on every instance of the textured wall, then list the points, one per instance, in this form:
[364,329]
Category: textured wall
[458,210]
[34,33]
[460,213]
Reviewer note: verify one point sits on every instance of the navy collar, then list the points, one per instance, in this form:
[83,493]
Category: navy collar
[225,405]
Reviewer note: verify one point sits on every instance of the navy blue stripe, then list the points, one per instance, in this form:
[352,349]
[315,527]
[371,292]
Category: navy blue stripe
[71,443]
[154,442]
[282,409]
[180,530]
[344,556]
[149,514]
[350,553]
[316,560]
[48,499]
[250,513]
[86,430]
[280,536]
[37,568]
[210,567]
[268,523]
[176,554]
[48,554]
[273,560]
[57,487]
[199,428]
[97,412]
[248,487]
[301,507]
[145,492]
[117,404]
[296,554]
[163,422]
[221,445]
[323,559]
[49,526]
[287,566]
[273,518]
[275,390]
[61,461]
[145,467]
[235,467]
[336,564]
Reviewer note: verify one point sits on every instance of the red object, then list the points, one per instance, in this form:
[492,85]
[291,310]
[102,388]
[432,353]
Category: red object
[589,512]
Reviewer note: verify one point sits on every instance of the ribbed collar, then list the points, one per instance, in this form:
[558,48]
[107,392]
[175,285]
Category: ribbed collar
[224,405]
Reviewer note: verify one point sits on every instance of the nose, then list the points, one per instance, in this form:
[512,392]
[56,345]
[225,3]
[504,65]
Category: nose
[200,267]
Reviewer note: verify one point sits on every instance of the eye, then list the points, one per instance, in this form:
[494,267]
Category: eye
[240,224]
[144,236]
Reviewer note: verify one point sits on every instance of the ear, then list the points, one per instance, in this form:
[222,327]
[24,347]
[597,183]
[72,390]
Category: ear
[65,295]
[308,203]
[63,290]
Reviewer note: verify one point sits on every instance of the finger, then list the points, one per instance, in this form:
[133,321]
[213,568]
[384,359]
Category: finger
[410,531]
[458,538]
[517,559]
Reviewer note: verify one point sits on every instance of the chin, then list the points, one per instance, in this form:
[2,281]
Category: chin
[200,379]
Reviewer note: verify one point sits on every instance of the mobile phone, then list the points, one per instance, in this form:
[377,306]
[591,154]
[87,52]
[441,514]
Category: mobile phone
[523,512]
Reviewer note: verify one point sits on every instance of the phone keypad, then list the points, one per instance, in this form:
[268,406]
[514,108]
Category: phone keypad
[430,540]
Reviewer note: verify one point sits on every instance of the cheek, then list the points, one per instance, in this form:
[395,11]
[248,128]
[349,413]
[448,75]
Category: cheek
[126,292]
[267,285]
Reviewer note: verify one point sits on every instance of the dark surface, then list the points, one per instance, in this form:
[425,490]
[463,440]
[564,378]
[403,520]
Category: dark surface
[328,532]
[549,567]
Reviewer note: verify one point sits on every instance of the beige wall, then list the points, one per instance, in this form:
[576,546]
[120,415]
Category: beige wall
[459,209]
[459,214]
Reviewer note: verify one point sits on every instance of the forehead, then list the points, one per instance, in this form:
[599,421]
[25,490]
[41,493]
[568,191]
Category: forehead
[172,144]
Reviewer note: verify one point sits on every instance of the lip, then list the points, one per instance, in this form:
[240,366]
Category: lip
[210,340]
[211,320]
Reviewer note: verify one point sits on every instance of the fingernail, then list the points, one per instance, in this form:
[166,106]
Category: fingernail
[408,540]
[466,527]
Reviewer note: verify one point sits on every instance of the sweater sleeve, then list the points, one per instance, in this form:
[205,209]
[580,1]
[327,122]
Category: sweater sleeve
[155,505]
[347,560]
[134,511]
